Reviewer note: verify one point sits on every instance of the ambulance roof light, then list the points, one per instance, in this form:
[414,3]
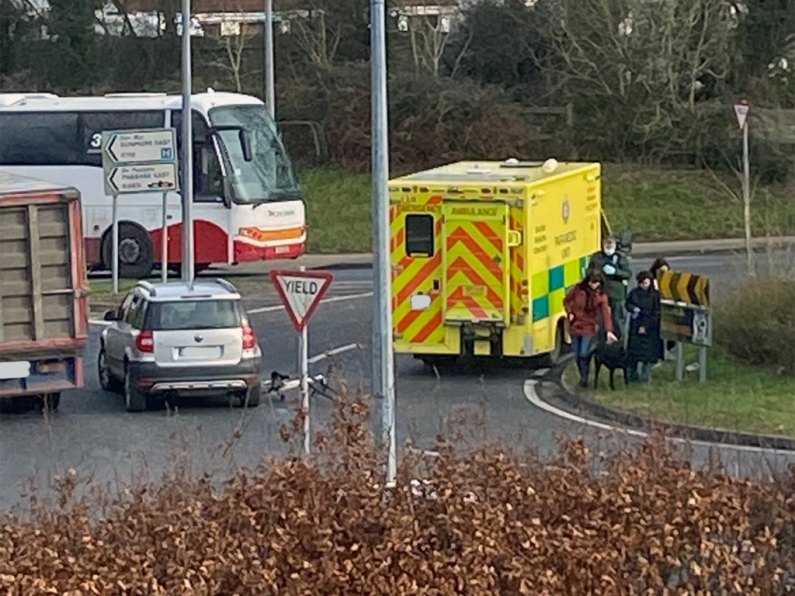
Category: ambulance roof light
[550,165]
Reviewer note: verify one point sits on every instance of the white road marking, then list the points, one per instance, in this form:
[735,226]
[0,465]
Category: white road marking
[532,397]
[333,352]
[256,311]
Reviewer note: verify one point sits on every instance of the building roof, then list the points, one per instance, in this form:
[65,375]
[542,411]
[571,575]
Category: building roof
[212,6]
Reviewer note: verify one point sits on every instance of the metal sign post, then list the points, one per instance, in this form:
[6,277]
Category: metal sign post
[164,241]
[136,162]
[384,380]
[115,240]
[270,90]
[741,111]
[301,293]
[685,316]
[187,149]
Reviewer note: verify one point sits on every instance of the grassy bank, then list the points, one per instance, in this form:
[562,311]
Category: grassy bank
[102,289]
[654,204]
[736,397]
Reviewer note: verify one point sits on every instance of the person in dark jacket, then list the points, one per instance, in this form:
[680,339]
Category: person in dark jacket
[617,273]
[643,346]
[587,308]
[660,265]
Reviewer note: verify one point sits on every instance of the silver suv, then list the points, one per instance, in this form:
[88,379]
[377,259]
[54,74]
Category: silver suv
[178,338]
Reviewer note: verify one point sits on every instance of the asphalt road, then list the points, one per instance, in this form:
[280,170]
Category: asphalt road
[92,434]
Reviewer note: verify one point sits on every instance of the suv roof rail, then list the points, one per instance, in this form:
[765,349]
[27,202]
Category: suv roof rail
[226,284]
[148,286]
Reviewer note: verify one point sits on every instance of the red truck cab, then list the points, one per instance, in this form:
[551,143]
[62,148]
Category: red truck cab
[43,289]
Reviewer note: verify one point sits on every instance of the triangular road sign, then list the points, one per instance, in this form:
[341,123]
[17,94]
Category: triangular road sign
[741,111]
[301,292]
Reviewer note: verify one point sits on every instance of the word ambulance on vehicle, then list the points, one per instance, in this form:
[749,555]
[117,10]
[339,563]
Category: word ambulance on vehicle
[483,254]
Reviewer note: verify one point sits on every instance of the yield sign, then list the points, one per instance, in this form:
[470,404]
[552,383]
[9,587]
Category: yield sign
[741,111]
[301,292]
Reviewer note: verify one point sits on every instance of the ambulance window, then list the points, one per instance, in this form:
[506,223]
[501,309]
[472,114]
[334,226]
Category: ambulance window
[419,235]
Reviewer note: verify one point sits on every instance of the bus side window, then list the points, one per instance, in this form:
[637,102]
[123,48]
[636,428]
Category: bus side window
[93,123]
[39,138]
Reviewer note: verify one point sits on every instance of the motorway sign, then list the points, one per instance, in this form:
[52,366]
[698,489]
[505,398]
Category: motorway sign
[301,293]
[139,146]
[134,179]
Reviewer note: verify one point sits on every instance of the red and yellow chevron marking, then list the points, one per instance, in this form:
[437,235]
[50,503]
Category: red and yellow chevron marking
[414,275]
[517,265]
[475,285]
[418,326]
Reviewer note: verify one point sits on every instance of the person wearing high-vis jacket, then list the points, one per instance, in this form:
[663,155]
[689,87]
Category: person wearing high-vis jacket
[614,266]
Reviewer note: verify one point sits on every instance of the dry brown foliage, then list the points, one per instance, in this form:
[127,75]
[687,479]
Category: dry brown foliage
[481,523]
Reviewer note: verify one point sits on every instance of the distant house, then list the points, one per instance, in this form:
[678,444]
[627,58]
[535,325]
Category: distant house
[224,17]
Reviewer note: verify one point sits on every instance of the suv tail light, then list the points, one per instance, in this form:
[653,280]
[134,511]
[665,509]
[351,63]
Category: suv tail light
[249,338]
[145,342]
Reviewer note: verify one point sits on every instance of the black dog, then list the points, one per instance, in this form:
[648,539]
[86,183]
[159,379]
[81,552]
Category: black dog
[613,357]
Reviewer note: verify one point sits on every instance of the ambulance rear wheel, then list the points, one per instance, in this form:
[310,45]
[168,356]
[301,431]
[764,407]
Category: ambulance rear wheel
[431,361]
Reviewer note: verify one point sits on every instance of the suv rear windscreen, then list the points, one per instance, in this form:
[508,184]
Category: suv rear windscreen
[192,314]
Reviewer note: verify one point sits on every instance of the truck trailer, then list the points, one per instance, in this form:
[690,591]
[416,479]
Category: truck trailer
[43,289]
[483,254]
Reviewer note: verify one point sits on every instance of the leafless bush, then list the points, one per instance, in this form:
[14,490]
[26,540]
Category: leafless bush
[482,522]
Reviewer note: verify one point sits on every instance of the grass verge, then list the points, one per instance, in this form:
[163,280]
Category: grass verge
[655,204]
[736,397]
[102,289]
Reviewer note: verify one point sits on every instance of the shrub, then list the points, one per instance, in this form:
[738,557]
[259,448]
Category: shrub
[757,324]
[431,121]
[485,524]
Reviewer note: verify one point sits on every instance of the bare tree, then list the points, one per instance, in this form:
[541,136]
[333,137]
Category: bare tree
[234,46]
[429,35]
[651,60]
[323,28]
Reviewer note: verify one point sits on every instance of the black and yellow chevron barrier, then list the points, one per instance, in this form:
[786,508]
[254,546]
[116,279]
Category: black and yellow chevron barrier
[686,288]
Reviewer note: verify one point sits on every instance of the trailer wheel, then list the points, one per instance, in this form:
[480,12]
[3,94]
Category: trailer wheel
[136,253]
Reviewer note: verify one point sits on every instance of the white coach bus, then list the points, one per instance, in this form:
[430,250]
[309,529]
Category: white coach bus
[247,202]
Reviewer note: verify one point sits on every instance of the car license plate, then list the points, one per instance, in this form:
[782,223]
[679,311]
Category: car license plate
[280,250]
[200,352]
[14,370]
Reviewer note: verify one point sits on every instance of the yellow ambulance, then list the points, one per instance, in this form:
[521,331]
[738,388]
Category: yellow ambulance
[483,253]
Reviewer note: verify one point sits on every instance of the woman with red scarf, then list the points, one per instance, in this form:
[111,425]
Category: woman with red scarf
[588,310]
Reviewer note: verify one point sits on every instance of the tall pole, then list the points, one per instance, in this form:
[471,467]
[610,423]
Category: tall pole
[382,321]
[115,240]
[747,200]
[164,241]
[270,91]
[187,149]
[303,366]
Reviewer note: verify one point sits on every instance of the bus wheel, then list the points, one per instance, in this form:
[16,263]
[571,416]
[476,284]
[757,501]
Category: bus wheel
[136,253]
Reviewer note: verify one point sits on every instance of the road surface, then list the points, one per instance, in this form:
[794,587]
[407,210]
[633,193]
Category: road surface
[92,434]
